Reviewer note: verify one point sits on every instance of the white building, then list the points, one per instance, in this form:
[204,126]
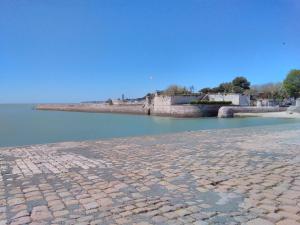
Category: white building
[266,103]
[236,99]
[298,102]
[118,102]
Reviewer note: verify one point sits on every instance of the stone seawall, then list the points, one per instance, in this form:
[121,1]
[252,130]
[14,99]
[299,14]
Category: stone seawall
[172,110]
[187,110]
[100,108]
[229,111]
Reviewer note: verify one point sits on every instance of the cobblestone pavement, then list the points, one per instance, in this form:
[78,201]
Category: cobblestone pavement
[239,176]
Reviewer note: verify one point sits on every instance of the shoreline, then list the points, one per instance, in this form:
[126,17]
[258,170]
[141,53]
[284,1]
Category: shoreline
[168,134]
[176,111]
[281,115]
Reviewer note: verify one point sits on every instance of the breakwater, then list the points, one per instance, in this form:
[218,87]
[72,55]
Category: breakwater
[100,108]
[184,110]
[229,111]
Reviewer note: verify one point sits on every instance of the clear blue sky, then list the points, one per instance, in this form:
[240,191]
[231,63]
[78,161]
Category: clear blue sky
[75,50]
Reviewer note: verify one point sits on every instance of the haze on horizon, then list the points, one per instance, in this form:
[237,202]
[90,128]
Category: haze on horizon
[76,50]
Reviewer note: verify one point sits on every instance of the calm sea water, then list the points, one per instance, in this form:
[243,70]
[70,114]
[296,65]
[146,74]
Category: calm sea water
[21,125]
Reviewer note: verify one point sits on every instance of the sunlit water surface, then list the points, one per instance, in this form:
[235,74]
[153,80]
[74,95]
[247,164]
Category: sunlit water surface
[21,125]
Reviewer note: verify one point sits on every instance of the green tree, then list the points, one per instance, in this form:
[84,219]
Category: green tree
[237,89]
[109,101]
[241,83]
[238,85]
[206,90]
[176,90]
[292,83]
[225,87]
[269,90]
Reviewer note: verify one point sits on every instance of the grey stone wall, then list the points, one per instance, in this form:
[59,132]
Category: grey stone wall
[130,109]
[187,111]
[229,111]
[172,110]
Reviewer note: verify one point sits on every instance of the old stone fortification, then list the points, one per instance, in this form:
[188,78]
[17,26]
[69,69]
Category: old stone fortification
[160,105]
[160,100]
[187,110]
[103,108]
[229,111]
[178,106]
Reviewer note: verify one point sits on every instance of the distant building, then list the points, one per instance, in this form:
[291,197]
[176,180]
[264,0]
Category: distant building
[166,100]
[136,101]
[236,99]
[266,103]
[180,106]
[298,102]
[118,102]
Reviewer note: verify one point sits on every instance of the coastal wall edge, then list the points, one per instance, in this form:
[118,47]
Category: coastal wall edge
[229,111]
[101,108]
[185,110]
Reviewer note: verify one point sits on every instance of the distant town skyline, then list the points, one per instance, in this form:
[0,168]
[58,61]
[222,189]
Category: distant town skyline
[72,51]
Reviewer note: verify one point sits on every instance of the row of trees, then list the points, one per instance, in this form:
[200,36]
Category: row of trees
[269,90]
[290,87]
[177,90]
[237,85]
[291,84]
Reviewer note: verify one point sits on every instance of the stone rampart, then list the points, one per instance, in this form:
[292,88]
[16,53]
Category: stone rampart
[229,111]
[187,110]
[102,108]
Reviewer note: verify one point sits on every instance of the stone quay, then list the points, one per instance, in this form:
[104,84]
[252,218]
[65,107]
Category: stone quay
[239,176]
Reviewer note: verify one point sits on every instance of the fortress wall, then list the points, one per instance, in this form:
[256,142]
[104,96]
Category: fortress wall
[229,111]
[183,99]
[173,105]
[163,110]
[102,108]
[187,110]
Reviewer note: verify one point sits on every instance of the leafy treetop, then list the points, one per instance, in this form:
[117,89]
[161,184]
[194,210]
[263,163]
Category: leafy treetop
[292,83]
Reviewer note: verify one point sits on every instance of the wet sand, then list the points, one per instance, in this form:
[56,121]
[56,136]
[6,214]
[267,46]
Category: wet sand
[270,115]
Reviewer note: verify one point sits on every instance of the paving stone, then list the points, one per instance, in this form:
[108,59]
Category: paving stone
[213,177]
[21,221]
[91,205]
[21,214]
[288,222]
[259,221]
[40,213]
[274,217]
[60,213]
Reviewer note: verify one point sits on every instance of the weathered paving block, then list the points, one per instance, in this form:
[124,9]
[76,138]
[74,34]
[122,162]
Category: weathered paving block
[238,176]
